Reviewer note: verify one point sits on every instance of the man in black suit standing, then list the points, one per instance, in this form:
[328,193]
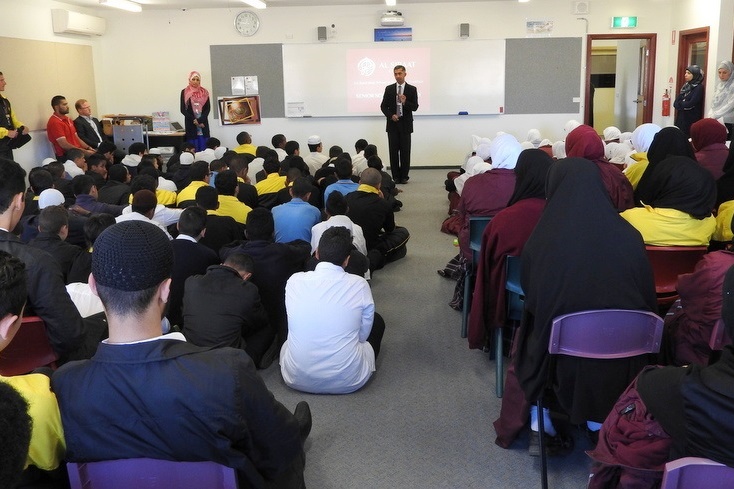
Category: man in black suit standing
[88,128]
[398,104]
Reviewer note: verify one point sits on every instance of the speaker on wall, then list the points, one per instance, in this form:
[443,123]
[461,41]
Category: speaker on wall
[463,31]
[321,32]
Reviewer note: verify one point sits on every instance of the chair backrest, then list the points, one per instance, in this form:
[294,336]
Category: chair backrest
[719,338]
[515,297]
[28,350]
[476,229]
[146,473]
[670,261]
[695,473]
[606,333]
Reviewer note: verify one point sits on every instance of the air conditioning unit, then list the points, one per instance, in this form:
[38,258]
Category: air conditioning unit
[392,18]
[68,22]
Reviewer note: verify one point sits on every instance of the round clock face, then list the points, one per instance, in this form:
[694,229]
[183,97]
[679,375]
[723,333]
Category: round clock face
[247,23]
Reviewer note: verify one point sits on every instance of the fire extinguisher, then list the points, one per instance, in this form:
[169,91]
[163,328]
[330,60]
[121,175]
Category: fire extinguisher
[666,103]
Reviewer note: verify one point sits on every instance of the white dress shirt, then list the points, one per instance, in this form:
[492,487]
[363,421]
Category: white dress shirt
[355,229]
[330,314]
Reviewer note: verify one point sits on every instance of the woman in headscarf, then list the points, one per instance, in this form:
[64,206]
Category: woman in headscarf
[637,161]
[475,165]
[487,193]
[584,142]
[505,235]
[570,264]
[722,105]
[669,141]
[677,210]
[689,102]
[195,106]
[708,138]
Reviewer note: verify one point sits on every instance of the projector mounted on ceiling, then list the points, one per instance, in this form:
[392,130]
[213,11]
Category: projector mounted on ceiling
[392,18]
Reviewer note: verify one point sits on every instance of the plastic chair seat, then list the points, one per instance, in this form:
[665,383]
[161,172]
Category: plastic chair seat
[695,472]
[146,473]
[667,263]
[29,349]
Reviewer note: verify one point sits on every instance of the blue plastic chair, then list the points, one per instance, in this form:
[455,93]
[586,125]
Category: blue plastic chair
[695,472]
[147,473]
[515,303]
[602,334]
[476,229]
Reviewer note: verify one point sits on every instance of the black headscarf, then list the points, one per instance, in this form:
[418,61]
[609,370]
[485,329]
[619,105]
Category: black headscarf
[530,175]
[669,141]
[570,264]
[697,73]
[681,183]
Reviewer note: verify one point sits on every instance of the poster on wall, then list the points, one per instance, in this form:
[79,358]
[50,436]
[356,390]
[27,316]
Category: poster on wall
[239,110]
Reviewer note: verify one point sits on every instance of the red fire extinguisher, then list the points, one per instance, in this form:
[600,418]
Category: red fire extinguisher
[666,103]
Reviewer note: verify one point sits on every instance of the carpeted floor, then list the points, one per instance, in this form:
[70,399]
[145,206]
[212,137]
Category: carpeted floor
[424,421]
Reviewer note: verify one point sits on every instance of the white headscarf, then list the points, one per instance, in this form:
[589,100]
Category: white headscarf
[722,104]
[570,126]
[616,152]
[545,142]
[505,150]
[559,150]
[527,145]
[534,137]
[483,151]
[474,166]
[611,132]
[642,136]
[219,151]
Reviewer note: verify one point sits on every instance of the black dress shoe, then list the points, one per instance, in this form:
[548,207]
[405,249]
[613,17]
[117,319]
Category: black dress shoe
[403,181]
[303,415]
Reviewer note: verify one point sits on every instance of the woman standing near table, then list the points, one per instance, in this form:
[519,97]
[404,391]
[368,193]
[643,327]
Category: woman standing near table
[689,102]
[195,106]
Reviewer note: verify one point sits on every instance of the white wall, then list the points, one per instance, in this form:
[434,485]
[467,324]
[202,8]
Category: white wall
[142,62]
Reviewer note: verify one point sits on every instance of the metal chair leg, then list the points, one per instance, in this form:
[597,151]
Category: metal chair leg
[541,442]
[499,362]
[467,302]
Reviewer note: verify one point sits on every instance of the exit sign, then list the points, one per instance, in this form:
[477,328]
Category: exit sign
[624,22]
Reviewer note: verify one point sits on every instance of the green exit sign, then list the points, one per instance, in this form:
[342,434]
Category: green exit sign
[624,22]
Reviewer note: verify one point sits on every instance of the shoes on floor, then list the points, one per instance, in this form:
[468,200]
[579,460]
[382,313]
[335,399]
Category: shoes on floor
[303,415]
[403,181]
[554,445]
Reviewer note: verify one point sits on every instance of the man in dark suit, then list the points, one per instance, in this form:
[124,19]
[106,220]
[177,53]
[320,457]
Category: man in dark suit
[189,258]
[398,104]
[88,128]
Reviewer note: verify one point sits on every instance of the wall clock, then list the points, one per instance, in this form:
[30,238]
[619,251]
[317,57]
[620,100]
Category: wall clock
[247,23]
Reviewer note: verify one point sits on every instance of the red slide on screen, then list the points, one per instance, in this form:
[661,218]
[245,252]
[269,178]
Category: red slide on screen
[370,70]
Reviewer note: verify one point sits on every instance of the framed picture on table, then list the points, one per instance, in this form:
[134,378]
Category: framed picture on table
[239,110]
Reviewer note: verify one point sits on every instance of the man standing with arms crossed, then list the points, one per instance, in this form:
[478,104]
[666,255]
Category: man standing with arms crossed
[398,104]
[9,125]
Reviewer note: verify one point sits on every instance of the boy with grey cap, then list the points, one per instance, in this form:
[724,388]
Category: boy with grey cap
[144,394]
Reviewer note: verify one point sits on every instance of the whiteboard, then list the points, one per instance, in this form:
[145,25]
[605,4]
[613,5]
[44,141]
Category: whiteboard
[326,80]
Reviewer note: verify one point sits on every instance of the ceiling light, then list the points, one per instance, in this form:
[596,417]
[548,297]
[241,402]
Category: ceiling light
[523,1]
[122,4]
[255,3]
[390,3]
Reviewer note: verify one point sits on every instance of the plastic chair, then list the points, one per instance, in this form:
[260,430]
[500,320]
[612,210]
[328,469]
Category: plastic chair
[147,473]
[476,229]
[602,334]
[29,349]
[515,303]
[667,263]
[719,338]
[694,473]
